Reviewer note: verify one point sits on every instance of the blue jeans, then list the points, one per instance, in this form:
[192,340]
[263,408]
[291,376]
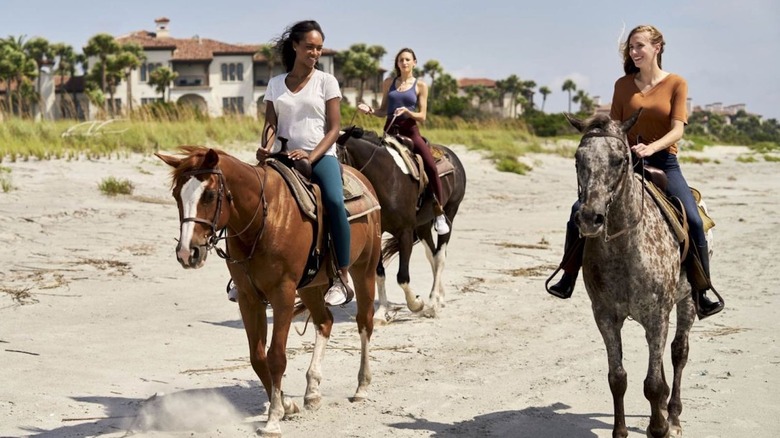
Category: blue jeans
[327,174]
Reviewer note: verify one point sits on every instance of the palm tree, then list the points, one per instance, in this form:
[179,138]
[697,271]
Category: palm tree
[586,103]
[161,79]
[544,91]
[569,85]
[432,68]
[359,62]
[527,90]
[39,50]
[102,45]
[269,53]
[66,66]
[19,68]
[130,57]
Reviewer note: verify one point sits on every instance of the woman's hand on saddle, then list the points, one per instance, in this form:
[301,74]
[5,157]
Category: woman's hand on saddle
[365,109]
[298,154]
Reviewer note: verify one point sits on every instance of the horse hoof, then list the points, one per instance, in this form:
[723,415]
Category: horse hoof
[675,431]
[292,409]
[429,312]
[265,433]
[357,398]
[312,404]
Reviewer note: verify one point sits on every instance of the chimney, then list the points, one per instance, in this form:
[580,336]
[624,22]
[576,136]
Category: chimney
[162,27]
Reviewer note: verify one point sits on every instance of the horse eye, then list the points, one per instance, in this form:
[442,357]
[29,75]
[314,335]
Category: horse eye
[208,196]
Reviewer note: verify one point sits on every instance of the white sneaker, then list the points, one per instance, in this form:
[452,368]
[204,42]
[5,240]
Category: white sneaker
[233,293]
[440,224]
[339,294]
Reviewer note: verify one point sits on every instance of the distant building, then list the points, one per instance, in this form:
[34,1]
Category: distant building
[502,107]
[217,77]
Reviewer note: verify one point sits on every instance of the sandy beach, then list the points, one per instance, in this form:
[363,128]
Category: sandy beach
[102,333]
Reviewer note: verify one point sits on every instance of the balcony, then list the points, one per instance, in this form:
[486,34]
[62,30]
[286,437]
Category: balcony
[190,81]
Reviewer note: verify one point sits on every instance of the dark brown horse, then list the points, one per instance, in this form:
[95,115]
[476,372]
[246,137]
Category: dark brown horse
[631,268]
[406,216]
[268,242]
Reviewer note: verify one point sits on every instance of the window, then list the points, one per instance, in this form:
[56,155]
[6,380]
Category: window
[233,72]
[233,105]
[150,100]
[147,69]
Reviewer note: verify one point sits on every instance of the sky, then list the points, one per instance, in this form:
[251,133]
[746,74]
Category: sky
[727,50]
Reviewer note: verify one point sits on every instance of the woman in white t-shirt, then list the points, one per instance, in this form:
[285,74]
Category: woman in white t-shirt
[302,106]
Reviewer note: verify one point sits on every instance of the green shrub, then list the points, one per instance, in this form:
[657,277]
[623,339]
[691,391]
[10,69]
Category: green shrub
[112,186]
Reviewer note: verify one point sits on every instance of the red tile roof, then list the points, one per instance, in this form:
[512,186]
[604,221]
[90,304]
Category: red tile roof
[471,82]
[186,49]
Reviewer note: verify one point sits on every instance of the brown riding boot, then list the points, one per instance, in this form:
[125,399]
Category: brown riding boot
[571,263]
[698,270]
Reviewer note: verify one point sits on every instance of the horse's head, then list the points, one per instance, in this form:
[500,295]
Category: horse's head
[199,189]
[355,137]
[603,168]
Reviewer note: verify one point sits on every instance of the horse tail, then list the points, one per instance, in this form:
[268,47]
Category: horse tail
[390,248]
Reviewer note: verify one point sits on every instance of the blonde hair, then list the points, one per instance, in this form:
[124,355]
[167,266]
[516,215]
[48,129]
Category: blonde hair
[656,37]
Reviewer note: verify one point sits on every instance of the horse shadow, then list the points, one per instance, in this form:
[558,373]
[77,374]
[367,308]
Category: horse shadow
[179,411]
[341,314]
[529,422]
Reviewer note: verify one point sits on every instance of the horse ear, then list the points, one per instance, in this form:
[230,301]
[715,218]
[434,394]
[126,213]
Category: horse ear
[573,121]
[631,120]
[169,159]
[210,160]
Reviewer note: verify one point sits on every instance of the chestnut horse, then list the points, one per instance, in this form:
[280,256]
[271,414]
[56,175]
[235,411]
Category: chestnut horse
[268,242]
[631,268]
[405,215]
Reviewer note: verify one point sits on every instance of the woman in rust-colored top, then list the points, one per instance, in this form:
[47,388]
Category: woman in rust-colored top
[662,96]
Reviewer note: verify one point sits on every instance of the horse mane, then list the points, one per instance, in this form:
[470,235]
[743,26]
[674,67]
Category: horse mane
[355,131]
[194,156]
[597,122]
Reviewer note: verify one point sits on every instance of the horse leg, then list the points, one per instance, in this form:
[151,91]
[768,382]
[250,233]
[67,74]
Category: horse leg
[322,320]
[610,325]
[383,312]
[686,315]
[256,327]
[405,241]
[655,387]
[277,364]
[436,257]
[365,321]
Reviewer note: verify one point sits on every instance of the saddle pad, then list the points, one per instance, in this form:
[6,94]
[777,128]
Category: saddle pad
[363,202]
[398,160]
[357,198]
[705,217]
[669,210]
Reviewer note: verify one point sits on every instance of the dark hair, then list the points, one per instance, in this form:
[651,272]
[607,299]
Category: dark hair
[656,37]
[398,55]
[295,33]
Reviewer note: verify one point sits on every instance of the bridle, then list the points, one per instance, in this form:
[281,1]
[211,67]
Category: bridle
[220,233]
[619,186]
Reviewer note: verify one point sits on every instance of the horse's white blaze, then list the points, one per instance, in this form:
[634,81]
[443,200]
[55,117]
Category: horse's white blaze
[191,192]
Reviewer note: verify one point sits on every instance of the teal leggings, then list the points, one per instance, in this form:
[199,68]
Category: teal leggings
[327,174]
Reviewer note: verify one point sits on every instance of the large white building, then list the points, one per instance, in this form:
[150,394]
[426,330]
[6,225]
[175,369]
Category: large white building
[217,77]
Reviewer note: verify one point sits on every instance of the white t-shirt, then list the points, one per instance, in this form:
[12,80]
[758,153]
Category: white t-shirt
[301,116]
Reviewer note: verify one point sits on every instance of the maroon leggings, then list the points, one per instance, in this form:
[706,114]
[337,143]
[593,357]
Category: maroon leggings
[408,127]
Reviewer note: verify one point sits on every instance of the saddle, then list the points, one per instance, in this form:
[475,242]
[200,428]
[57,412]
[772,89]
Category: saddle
[412,164]
[358,201]
[674,213]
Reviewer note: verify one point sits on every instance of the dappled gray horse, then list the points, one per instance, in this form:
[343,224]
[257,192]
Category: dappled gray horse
[631,268]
